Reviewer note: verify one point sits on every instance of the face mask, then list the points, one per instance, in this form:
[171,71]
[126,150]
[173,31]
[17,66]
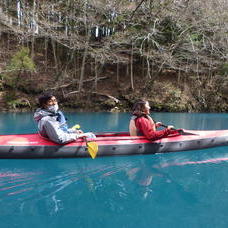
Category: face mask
[53,108]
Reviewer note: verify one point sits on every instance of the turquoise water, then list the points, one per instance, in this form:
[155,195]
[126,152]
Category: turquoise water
[187,189]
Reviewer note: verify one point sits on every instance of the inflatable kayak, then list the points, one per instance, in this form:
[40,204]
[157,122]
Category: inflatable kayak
[113,143]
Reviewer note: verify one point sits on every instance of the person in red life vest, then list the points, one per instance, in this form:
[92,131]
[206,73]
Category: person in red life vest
[142,124]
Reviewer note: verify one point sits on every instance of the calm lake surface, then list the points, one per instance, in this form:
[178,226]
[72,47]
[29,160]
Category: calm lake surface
[187,189]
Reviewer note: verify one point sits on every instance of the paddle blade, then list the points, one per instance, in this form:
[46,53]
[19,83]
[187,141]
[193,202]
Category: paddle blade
[92,149]
[76,127]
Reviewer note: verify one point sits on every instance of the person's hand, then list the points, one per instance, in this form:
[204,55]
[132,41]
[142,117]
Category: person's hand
[158,124]
[87,135]
[78,131]
[73,130]
[170,127]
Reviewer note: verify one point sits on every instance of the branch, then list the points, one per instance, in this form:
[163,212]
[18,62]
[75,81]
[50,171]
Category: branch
[132,15]
[76,81]
[107,95]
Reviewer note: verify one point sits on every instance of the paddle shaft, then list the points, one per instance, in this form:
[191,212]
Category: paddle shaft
[163,125]
[181,131]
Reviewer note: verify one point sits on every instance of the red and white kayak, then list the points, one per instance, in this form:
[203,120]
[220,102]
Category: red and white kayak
[113,143]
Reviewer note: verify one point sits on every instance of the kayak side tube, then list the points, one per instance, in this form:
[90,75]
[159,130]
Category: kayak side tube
[32,146]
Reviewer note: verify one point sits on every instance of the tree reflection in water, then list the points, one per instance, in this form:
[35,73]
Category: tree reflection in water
[50,186]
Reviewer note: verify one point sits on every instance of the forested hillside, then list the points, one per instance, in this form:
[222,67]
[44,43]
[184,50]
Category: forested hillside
[106,54]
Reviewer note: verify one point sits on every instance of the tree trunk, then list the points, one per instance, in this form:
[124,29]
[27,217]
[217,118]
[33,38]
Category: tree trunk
[132,76]
[54,54]
[96,75]
[117,73]
[148,67]
[46,52]
[80,85]
[76,64]
[33,29]
[143,67]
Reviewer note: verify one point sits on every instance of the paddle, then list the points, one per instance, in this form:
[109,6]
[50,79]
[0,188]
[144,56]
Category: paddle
[181,131]
[76,127]
[91,146]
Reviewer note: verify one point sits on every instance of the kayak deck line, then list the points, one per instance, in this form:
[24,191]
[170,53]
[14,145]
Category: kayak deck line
[109,143]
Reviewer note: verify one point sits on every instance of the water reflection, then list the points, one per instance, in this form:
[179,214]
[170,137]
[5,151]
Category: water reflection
[50,186]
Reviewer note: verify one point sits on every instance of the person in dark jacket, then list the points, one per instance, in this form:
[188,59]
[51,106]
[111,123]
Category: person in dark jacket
[52,122]
[142,124]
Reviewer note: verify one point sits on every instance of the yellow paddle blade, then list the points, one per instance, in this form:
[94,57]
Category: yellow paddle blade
[92,149]
[76,126]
